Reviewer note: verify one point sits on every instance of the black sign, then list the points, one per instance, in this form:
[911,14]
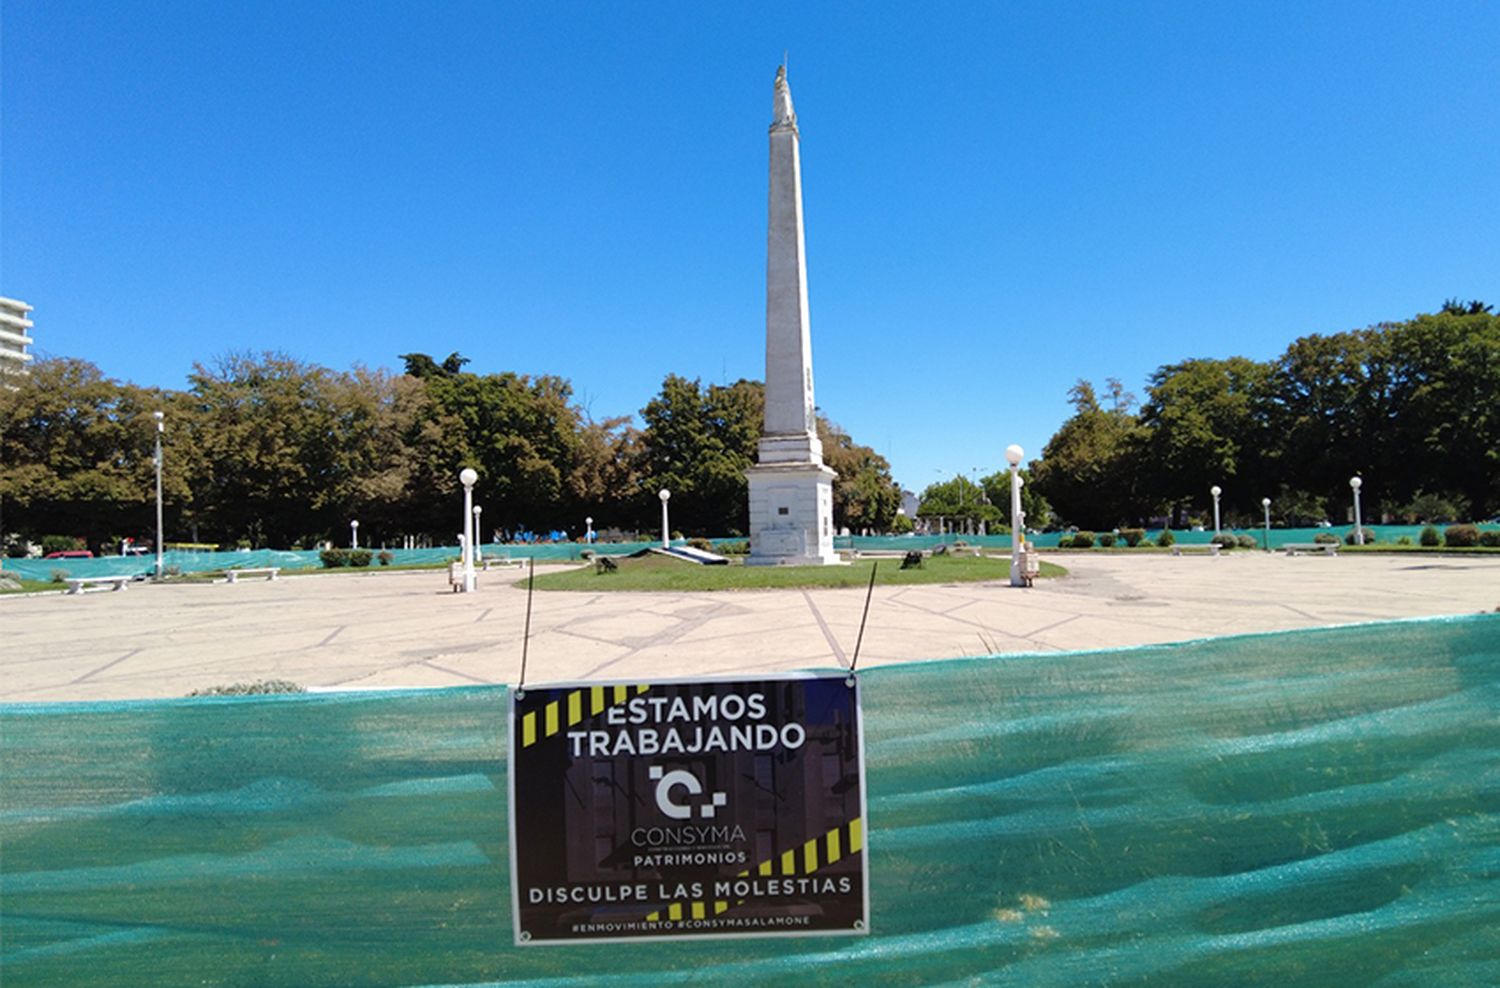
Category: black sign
[684,809]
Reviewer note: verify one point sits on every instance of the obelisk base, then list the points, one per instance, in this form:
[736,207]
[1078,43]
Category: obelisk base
[791,515]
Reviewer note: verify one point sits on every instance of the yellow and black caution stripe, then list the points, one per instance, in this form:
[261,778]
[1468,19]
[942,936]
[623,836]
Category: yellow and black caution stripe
[819,852]
[568,711]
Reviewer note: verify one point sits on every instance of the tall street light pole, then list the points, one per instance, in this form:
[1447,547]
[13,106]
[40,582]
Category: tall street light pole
[1359,532]
[1216,490]
[1013,455]
[1265,504]
[159,416]
[588,534]
[354,534]
[467,477]
[478,542]
[666,531]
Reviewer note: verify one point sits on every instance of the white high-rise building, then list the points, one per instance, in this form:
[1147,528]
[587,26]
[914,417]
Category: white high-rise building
[14,338]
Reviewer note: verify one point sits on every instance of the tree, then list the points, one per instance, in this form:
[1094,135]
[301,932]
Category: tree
[698,443]
[1087,470]
[864,495]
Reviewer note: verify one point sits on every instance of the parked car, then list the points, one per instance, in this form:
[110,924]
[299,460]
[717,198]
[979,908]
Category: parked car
[70,554]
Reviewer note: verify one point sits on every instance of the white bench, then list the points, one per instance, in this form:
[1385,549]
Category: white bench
[269,572]
[1326,548]
[78,584]
[1212,549]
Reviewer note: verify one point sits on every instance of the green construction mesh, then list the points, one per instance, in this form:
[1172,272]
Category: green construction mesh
[1305,808]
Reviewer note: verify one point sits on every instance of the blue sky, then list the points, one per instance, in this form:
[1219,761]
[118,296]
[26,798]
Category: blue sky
[1000,198]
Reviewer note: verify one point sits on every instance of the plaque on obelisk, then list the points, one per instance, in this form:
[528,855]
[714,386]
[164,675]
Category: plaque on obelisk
[791,490]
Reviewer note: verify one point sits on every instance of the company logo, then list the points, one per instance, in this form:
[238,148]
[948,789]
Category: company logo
[668,782]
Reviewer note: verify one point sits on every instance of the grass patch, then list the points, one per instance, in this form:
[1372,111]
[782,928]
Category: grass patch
[659,573]
[28,586]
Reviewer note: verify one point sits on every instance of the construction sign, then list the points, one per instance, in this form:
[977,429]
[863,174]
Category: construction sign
[688,809]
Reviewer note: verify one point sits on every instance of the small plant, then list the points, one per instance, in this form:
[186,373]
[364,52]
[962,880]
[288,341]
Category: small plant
[1225,540]
[60,575]
[360,557]
[1489,539]
[260,687]
[1404,540]
[334,558]
[1065,542]
[1133,536]
[1166,538]
[734,548]
[385,557]
[1245,541]
[1327,538]
[1461,536]
[1369,537]
[1083,540]
[1106,540]
[1430,537]
[700,543]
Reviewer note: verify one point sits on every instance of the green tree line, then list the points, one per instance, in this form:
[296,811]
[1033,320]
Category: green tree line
[1412,408]
[268,451]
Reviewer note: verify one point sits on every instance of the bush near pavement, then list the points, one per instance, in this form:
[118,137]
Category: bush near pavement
[1461,536]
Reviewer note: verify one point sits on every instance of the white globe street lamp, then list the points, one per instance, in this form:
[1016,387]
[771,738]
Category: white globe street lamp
[354,534]
[159,416]
[666,531]
[1216,490]
[1013,455]
[1359,533]
[478,535]
[588,535]
[468,477]
[1265,504]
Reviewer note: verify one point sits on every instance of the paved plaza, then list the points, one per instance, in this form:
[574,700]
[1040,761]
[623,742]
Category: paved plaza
[404,629]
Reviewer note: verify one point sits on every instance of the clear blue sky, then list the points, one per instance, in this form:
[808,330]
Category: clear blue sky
[1000,198]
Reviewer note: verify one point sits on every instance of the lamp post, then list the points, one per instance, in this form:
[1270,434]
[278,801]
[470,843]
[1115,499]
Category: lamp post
[588,534]
[666,531]
[354,534]
[1013,456]
[1265,504]
[1359,533]
[1216,490]
[159,416]
[478,534]
[467,477]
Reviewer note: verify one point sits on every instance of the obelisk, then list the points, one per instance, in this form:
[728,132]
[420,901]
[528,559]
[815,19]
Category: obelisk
[791,490]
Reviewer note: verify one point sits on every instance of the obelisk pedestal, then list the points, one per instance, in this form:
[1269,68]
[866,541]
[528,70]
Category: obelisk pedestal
[791,490]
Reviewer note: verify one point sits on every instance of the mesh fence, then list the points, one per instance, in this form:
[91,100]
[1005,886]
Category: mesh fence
[1305,808]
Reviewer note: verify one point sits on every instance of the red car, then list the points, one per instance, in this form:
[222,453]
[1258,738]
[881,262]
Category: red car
[70,554]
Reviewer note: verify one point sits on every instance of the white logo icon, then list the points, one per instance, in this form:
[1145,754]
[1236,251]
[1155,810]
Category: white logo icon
[687,780]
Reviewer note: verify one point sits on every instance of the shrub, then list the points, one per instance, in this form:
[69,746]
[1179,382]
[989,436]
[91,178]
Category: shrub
[1245,541]
[1133,536]
[1065,542]
[59,575]
[1106,540]
[385,557]
[741,548]
[1327,538]
[1226,540]
[360,557]
[1460,536]
[700,543]
[1489,539]
[1166,538]
[1430,537]
[260,687]
[333,558]
[1404,540]
[1369,537]
[1083,540]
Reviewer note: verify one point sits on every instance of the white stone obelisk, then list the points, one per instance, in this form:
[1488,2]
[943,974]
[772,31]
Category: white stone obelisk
[791,490]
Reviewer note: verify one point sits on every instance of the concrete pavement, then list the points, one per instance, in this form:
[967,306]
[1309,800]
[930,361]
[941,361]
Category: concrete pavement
[404,629]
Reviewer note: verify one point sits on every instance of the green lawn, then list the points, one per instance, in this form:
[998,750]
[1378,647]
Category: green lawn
[660,573]
[32,586]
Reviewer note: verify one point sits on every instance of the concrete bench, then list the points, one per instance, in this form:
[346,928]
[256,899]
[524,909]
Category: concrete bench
[1326,548]
[79,584]
[269,572]
[1212,549]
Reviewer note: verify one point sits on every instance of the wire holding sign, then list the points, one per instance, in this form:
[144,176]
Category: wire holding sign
[688,809]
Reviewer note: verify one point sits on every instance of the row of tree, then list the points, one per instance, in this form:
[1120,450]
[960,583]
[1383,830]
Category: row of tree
[265,450]
[1412,408]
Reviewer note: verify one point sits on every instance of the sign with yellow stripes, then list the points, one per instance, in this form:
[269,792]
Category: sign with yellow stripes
[673,809]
